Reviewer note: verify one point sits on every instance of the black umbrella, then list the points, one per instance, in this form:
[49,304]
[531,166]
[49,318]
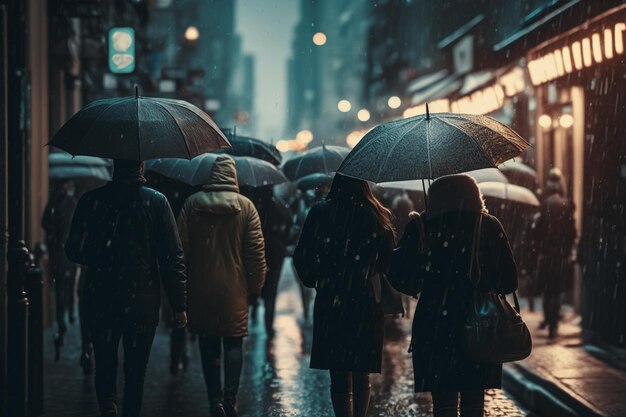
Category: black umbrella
[251,172]
[508,193]
[140,128]
[247,146]
[56,159]
[317,180]
[321,159]
[520,174]
[429,146]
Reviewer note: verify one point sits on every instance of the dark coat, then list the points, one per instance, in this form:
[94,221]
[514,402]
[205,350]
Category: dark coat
[127,236]
[56,221]
[337,248]
[441,276]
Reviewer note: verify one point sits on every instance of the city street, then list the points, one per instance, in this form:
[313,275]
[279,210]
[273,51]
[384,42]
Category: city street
[276,379]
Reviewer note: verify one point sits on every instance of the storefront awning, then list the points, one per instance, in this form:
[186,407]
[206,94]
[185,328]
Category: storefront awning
[440,89]
[425,81]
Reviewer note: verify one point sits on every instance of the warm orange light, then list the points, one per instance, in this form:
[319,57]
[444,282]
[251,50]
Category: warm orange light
[344,106]
[282,145]
[587,52]
[608,43]
[363,115]
[304,137]
[619,37]
[566,120]
[319,38]
[578,57]
[192,33]
[596,47]
[394,102]
[545,121]
[567,59]
[353,138]
[558,59]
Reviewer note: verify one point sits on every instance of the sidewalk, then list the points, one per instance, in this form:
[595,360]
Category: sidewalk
[561,378]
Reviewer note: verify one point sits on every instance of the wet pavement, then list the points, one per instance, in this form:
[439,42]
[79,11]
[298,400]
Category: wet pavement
[276,380]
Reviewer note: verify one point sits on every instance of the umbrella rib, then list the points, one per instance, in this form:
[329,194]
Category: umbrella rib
[394,147]
[480,148]
[515,134]
[177,125]
[97,119]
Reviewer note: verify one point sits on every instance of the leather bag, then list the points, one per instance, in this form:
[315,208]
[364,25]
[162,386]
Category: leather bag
[494,331]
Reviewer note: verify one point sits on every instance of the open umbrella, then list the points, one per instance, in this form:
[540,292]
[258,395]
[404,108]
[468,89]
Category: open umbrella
[480,175]
[520,174]
[317,180]
[56,159]
[429,146]
[251,172]
[247,146]
[321,159]
[140,128]
[508,193]
[64,166]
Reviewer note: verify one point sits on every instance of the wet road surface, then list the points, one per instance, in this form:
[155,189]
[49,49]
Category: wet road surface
[276,380]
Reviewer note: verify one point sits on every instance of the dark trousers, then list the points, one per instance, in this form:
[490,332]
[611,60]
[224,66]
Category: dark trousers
[446,404]
[137,343]
[270,290]
[552,309]
[211,354]
[347,382]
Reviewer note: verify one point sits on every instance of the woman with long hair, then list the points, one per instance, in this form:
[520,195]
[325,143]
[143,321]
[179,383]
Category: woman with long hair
[346,242]
[434,260]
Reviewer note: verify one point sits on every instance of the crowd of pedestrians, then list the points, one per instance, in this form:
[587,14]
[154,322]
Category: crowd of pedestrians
[222,249]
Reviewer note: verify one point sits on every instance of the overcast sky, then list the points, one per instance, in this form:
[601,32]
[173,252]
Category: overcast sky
[266,27]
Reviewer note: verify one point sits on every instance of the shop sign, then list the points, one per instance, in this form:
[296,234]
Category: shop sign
[122,50]
[600,45]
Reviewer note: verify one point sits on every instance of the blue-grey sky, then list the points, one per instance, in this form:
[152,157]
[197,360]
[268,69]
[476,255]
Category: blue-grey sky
[266,27]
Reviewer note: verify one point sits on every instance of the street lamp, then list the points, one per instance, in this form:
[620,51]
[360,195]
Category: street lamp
[344,106]
[545,121]
[394,102]
[319,38]
[363,115]
[192,34]
[304,137]
[566,121]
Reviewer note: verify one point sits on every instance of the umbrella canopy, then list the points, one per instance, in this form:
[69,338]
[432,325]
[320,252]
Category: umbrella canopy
[56,159]
[508,193]
[480,175]
[429,146]
[321,159]
[317,180]
[140,128]
[76,172]
[247,146]
[251,172]
[520,174]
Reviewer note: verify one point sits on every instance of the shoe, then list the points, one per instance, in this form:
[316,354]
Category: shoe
[552,332]
[217,410]
[543,325]
[231,409]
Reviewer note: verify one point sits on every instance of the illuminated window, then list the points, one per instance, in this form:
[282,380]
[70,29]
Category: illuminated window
[558,60]
[596,46]
[619,37]
[578,57]
[567,59]
[608,43]
[587,52]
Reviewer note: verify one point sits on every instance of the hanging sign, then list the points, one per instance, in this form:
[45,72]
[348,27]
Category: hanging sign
[122,50]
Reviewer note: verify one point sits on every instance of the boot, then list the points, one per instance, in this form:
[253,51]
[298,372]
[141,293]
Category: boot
[342,403]
[361,402]
[231,408]
[217,410]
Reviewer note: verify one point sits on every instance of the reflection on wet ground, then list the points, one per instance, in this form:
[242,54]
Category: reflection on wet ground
[276,379]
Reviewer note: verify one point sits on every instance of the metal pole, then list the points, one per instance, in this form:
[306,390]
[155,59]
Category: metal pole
[18,255]
[4,236]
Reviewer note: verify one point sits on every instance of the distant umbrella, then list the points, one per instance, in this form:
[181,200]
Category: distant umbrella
[508,193]
[520,174]
[247,146]
[251,172]
[429,146]
[140,128]
[313,181]
[322,159]
[65,159]
[480,175]
[77,172]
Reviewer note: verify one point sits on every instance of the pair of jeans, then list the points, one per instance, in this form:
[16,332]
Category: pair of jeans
[446,404]
[137,342]
[211,355]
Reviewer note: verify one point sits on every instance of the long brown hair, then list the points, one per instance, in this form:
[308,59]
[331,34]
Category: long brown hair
[347,187]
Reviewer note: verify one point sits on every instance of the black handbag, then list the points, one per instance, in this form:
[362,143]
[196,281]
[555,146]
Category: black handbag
[494,331]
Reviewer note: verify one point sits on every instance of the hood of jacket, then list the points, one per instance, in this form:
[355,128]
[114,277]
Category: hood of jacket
[221,194]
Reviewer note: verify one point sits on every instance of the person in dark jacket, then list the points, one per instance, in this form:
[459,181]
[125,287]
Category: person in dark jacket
[56,221]
[346,242]
[126,234]
[433,260]
[553,232]
[275,219]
